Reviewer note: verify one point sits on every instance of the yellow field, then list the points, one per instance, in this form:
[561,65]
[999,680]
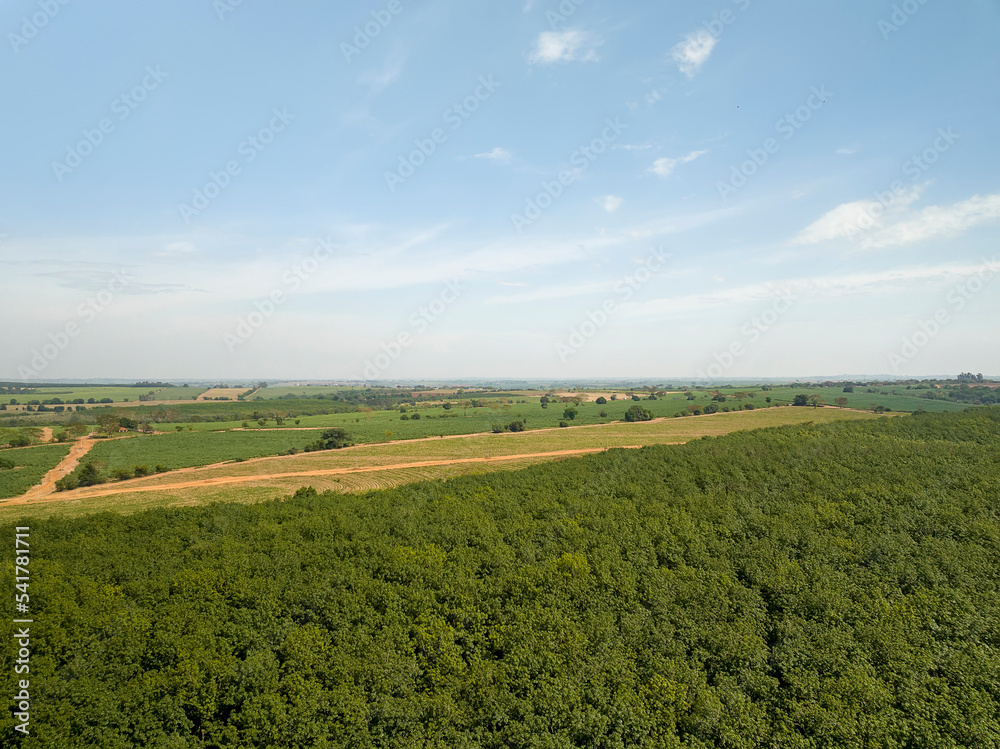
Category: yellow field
[391,464]
[216,393]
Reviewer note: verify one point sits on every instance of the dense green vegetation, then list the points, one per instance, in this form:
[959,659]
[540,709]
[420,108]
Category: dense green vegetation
[815,586]
[27,467]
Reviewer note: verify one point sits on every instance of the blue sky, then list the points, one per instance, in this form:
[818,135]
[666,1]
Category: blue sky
[443,189]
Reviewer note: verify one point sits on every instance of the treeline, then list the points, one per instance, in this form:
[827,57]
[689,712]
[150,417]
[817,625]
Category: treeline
[814,586]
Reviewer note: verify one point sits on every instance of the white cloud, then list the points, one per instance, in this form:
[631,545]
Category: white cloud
[565,46]
[612,203]
[876,226]
[692,53]
[500,155]
[665,166]
[846,151]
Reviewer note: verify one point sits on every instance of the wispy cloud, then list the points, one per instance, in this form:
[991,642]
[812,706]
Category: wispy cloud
[665,167]
[693,51]
[499,155]
[897,225]
[566,46]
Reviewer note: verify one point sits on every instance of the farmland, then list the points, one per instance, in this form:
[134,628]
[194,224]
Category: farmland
[349,470]
[22,469]
[826,584]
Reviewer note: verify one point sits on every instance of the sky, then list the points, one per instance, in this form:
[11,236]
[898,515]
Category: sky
[445,189]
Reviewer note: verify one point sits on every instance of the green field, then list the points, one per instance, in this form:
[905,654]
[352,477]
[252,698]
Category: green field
[894,397]
[189,449]
[309,391]
[30,466]
[69,393]
[10,433]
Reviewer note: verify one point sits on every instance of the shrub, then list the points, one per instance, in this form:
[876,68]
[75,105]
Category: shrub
[563,424]
[601,401]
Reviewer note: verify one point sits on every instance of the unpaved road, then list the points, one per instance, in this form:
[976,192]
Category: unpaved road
[132,487]
[66,465]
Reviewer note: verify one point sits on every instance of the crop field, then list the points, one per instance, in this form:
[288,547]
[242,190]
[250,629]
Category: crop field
[299,391]
[188,449]
[70,393]
[179,393]
[225,393]
[378,466]
[22,469]
[893,397]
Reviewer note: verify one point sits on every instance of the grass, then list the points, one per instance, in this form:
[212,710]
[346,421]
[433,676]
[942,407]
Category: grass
[596,437]
[30,466]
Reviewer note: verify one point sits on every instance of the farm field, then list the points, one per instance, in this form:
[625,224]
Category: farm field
[29,466]
[355,463]
[223,393]
[188,449]
[69,393]
[905,400]
[179,393]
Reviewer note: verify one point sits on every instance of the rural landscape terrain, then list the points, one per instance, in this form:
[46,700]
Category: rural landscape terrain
[786,564]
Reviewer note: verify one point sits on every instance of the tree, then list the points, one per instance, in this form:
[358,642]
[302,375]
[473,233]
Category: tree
[815,399]
[638,413]
[570,413]
[849,388]
[801,400]
[108,422]
[333,439]
[690,396]
[842,402]
[601,400]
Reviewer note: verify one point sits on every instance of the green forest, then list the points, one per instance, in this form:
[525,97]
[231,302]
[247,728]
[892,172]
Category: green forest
[829,586]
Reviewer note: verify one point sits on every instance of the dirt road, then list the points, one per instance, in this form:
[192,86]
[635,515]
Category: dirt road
[66,465]
[133,487]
